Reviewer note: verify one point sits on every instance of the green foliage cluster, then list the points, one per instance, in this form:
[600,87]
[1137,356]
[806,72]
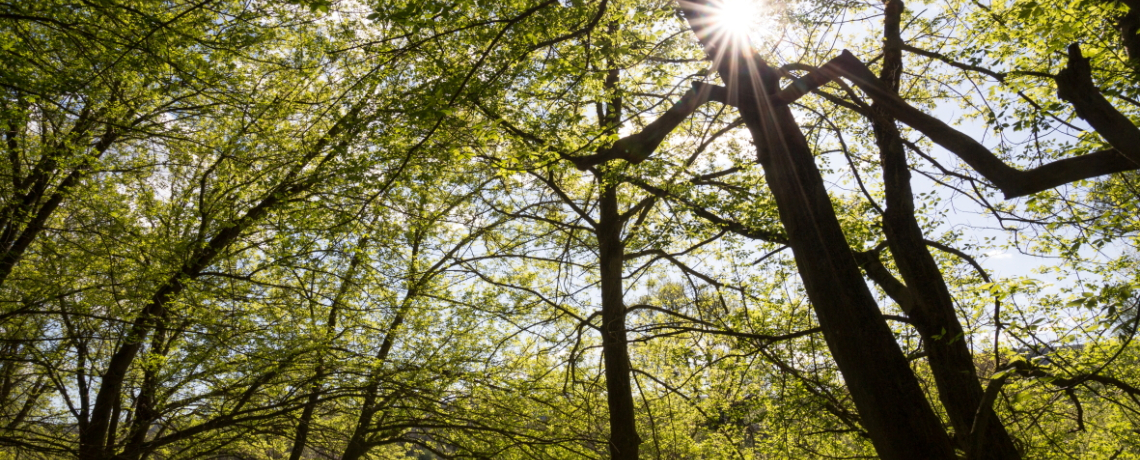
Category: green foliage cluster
[343,229]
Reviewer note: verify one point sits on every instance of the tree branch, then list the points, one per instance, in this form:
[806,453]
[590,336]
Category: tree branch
[637,147]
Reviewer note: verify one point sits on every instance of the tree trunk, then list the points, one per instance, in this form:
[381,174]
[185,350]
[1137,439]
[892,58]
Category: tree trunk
[933,315]
[358,443]
[891,404]
[624,441]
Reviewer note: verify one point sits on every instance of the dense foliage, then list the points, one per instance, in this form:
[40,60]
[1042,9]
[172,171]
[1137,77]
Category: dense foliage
[569,229]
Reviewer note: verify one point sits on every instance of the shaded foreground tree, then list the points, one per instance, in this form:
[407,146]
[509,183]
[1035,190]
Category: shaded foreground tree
[894,409]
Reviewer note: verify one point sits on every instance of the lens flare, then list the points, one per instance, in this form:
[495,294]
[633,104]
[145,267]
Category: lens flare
[737,18]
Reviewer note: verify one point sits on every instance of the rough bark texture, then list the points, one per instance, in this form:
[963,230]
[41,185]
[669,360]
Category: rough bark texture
[891,404]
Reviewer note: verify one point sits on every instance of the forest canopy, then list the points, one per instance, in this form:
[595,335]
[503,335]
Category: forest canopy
[531,229]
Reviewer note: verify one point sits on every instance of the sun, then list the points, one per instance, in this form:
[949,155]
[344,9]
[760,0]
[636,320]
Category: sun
[737,18]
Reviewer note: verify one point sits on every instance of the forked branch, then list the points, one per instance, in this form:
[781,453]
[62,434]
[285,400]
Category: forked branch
[636,148]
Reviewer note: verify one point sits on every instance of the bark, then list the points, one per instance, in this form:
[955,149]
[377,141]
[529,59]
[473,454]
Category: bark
[624,441]
[358,444]
[638,147]
[883,278]
[1129,27]
[8,378]
[146,410]
[146,413]
[113,429]
[92,438]
[933,313]
[891,404]
[225,420]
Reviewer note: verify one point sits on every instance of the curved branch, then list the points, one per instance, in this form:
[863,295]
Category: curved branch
[1013,182]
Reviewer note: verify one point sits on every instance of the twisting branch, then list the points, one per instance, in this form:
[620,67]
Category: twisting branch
[1125,156]
[999,76]
[726,224]
[762,339]
[962,255]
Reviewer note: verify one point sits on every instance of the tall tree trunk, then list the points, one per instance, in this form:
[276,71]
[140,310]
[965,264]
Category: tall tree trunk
[891,404]
[933,316]
[624,441]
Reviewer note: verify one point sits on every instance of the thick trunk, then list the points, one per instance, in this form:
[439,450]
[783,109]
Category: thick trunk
[624,441]
[113,430]
[92,439]
[933,311]
[933,316]
[891,404]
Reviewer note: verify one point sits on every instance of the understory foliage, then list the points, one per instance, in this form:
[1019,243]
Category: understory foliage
[368,230]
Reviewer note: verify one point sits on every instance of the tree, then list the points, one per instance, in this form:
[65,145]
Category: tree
[537,230]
